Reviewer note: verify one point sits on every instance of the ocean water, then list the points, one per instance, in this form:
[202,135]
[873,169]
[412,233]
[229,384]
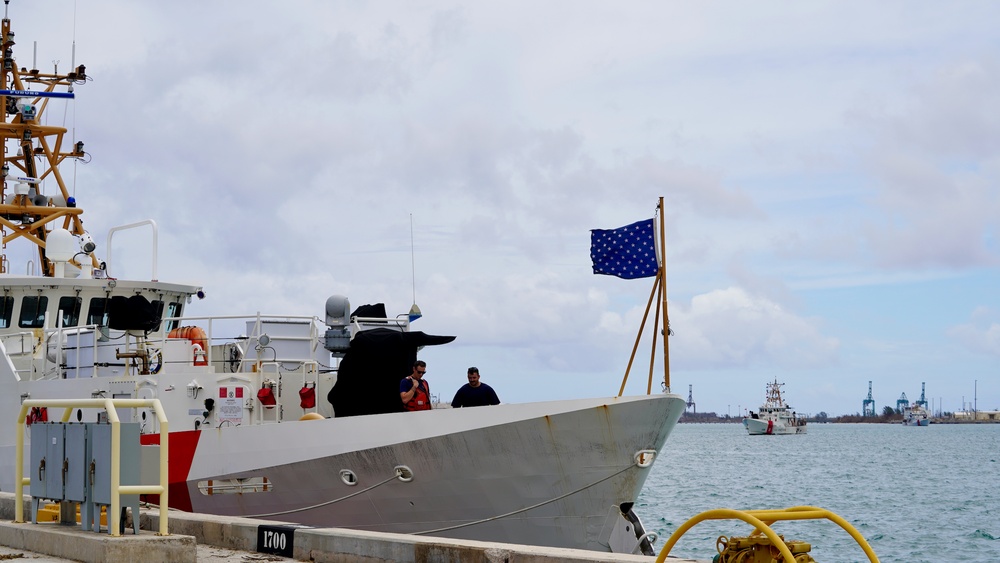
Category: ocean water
[918,495]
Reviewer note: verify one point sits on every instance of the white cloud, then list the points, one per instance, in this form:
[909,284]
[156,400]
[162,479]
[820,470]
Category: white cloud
[731,328]
[982,334]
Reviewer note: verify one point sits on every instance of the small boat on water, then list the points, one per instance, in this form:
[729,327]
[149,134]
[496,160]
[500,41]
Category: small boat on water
[916,416]
[774,416]
[282,417]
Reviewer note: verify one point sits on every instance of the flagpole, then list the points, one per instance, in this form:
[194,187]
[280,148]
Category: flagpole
[663,294]
[624,252]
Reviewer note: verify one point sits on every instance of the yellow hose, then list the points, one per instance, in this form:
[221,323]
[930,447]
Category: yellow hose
[761,520]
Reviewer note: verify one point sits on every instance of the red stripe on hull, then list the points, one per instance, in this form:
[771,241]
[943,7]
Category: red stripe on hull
[181,455]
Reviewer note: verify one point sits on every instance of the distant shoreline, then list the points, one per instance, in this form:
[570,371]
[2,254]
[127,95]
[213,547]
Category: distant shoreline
[852,419]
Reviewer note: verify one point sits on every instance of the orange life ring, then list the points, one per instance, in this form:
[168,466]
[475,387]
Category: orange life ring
[197,337]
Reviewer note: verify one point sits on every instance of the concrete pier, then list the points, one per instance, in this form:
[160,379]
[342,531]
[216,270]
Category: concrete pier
[190,533]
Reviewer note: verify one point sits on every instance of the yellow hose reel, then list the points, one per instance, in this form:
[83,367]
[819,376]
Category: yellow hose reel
[763,545]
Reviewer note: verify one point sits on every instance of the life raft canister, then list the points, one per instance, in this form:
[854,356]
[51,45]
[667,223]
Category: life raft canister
[266,395]
[307,397]
[199,342]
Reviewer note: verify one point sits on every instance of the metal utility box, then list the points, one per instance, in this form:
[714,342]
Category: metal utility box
[289,340]
[75,484]
[337,340]
[47,452]
[99,457]
[58,463]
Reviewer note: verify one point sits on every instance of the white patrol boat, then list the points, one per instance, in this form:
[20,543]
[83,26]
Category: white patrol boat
[774,416]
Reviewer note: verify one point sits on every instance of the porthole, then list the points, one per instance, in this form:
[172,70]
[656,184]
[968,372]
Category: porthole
[404,473]
[644,458]
[348,477]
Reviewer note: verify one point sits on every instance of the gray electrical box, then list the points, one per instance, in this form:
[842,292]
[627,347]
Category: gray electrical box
[99,456]
[58,463]
[71,463]
[75,484]
[47,454]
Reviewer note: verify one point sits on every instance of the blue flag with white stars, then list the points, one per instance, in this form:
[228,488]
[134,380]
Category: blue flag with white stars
[628,252]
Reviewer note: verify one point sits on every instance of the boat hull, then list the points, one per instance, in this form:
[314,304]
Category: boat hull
[759,427]
[553,474]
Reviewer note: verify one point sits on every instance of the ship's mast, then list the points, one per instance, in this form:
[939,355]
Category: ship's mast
[32,153]
[659,296]
[774,393]
[661,277]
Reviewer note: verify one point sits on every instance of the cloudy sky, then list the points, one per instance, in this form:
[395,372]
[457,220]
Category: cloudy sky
[830,174]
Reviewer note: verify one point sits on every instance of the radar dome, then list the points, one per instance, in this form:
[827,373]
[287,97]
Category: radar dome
[338,311]
[60,245]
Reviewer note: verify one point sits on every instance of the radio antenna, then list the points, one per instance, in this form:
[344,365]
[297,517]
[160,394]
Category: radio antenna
[414,310]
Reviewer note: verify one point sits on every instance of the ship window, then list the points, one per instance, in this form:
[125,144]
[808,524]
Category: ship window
[97,314]
[70,309]
[6,310]
[158,311]
[33,311]
[173,310]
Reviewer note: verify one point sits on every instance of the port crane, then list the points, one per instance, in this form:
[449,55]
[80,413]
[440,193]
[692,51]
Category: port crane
[902,402]
[868,406]
[922,401]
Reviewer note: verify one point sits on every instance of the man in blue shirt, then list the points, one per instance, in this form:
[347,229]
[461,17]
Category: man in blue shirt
[475,393]
[414,390]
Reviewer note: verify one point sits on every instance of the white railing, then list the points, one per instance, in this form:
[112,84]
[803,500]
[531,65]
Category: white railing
[149,222]
[211,321]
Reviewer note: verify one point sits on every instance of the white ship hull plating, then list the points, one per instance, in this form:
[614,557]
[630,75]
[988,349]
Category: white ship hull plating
[914,421]
[509,477]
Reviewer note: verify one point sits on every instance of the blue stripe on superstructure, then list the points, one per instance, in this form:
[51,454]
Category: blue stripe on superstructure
[36,94]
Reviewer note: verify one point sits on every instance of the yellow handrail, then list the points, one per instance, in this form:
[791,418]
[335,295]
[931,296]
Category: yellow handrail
[109,405]
[761,520]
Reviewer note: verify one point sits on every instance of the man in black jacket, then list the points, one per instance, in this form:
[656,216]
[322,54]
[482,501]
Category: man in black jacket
[475,393]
